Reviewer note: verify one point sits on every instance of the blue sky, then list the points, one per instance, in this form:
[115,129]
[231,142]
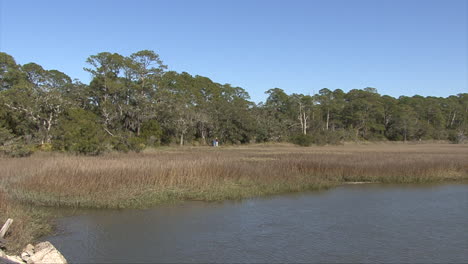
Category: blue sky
[400,47]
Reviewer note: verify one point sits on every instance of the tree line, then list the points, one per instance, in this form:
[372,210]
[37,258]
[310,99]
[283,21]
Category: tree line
[133,102]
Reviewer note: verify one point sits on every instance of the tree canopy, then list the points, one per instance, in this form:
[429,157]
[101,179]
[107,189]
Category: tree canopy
[133,102]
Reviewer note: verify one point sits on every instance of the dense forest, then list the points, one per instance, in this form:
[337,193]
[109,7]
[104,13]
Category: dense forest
[133,102]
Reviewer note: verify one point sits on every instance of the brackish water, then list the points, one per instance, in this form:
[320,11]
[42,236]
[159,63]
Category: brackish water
[359,223]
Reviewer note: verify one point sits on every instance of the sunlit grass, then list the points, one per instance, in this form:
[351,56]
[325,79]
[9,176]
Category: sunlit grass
[117,180]
[124,180]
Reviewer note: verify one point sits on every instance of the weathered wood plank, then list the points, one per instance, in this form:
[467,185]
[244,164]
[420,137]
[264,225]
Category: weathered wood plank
[5,227]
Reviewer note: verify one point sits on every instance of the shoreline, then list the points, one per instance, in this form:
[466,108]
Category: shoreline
[76,211]
[29,187]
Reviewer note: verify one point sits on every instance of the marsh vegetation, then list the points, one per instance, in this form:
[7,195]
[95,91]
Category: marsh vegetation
[118,180]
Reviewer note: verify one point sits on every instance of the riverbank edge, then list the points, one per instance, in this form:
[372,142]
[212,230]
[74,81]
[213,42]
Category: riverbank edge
[47,219]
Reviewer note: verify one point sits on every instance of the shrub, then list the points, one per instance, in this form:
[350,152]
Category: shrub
[5,135]
[318,138]
[120,146]
[136,144]
[126,143]
[45,147]
[151,133]
[80,132]
[302,140]
[17,150]
[335,137]
[456,137]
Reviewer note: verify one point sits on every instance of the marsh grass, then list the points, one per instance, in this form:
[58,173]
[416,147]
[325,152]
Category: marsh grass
[29,222]
[134,180]
[155,176]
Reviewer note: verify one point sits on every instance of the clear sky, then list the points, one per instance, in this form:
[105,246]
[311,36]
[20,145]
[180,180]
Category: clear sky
[401,47]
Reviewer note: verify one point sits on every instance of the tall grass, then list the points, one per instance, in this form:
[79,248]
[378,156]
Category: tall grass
[139,180]
[136,180]
[28,222]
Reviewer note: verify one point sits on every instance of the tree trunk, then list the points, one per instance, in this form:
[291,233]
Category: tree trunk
[305,124]
[49,126]
[301,120]
[203,136]
[328,117]
[453,118]
[181,139]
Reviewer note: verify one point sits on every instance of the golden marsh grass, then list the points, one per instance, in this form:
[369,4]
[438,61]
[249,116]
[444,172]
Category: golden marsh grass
[118,180]
[203,173]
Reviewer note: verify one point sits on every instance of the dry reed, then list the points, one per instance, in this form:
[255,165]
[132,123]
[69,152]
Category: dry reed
[135,180]
[118,180]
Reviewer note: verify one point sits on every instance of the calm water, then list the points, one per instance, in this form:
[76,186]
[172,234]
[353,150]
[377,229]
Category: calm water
[364,223]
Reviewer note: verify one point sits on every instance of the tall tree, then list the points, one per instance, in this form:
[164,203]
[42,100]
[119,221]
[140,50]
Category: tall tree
[364,112]
[39,98]
[123,89]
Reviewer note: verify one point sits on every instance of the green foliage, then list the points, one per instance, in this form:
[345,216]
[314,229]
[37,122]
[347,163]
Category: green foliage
[80,132]
[318,138]
[46,147]
[120,145]
[5,135]
[17,150]
[136,144]
[132,102]
[335,137]
[456,137]
[302,140]
[151,133]
[128,142]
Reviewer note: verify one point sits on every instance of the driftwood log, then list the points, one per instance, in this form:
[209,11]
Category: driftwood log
[5,227]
